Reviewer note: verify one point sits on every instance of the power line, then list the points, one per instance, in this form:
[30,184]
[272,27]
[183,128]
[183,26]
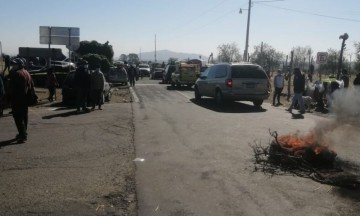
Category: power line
[199,16]
[310,13]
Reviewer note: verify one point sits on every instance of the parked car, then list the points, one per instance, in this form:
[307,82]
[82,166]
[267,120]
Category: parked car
[157,73]
[167,73]
[235,82]
[144,70]
[116,75]
[69,91]
[63,65]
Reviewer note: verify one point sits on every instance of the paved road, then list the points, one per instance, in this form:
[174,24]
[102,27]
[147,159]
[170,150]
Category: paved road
[197,159]
[72,164]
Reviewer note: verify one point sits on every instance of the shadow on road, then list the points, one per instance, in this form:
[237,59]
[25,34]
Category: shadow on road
[227,107]
[181,88]
[297,116]
[66,114]
[9,142]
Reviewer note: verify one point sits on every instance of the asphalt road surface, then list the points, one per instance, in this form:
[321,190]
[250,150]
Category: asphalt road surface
[191,158]
[195,159]
[72,164]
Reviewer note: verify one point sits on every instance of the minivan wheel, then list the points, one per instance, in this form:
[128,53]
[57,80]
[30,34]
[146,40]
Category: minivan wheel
[197,94]
[258,103]
[218,97]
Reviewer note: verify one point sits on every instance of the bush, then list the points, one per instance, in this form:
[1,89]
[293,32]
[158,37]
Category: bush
[94,59]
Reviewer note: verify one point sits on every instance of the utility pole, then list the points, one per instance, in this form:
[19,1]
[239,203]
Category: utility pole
[309,52]
[262,54]
[247,34]
[155,48]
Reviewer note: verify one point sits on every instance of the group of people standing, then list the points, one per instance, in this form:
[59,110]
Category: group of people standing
[88,84]
[299,88]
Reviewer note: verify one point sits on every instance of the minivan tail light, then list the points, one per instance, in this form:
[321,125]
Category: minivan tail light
[229,82]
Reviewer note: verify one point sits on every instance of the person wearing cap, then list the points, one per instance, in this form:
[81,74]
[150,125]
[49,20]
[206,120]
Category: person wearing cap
[299,88]
[20,85]
[82,83]
[279,81]
[97,87]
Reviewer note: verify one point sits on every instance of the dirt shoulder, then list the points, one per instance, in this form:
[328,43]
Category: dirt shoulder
[120,94]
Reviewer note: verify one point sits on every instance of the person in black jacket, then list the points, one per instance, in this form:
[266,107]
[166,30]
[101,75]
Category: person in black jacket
[345,78]
[299,88]
[357,80]
[82,83]
[7,64]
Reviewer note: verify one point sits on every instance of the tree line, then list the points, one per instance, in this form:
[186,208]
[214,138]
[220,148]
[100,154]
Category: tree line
[264,54]
[303,57]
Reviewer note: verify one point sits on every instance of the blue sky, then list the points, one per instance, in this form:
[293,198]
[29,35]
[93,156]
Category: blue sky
[194,26]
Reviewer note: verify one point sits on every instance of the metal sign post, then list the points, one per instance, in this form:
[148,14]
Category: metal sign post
[69,36]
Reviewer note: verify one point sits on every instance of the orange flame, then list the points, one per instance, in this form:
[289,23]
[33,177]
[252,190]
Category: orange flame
[297,144]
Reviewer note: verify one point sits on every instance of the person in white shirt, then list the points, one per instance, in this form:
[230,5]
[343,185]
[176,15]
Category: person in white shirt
[279,81]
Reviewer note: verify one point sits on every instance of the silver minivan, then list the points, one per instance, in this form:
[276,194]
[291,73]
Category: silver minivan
[235,82]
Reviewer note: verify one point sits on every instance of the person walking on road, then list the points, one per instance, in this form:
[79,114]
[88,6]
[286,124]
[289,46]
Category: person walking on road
[82,84]
[279,81]
[51,84]
[97,87]
[299,88]
[132,75]
[20,86]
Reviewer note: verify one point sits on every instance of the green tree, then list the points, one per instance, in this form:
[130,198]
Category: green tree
[87,47]
[123,57]
[229,52]
[357,56]
[301,55]
[267,57]
[94,59]
[133,58]
[172,61]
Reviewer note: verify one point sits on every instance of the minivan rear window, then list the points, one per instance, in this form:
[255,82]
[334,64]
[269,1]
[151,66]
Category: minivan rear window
[247,71]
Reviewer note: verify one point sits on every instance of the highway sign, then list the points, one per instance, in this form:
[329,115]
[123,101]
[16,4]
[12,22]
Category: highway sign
[58,40]
[321,57]
[59,35]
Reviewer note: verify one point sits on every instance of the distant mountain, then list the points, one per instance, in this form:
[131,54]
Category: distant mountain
[164,55]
